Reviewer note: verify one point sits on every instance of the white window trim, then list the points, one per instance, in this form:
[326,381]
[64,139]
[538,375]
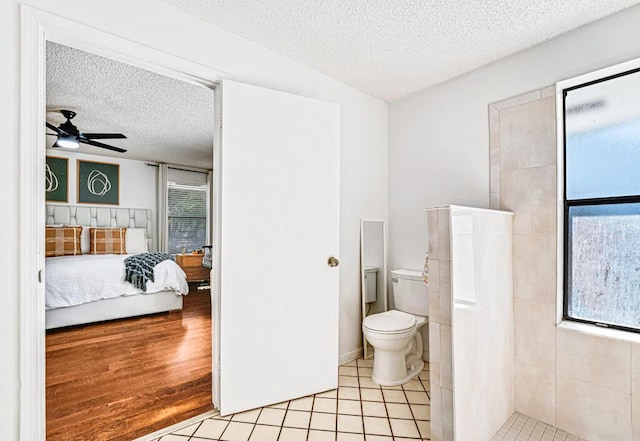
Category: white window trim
[560,87]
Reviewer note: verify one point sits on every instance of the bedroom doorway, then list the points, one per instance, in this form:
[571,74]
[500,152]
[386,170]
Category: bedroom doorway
[312,212]
[136,363]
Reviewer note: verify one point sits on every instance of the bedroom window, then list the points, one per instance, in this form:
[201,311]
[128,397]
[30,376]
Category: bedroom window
[602,202]
[187,217]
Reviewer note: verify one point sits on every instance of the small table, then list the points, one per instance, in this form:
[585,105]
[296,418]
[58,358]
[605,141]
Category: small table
[191,264]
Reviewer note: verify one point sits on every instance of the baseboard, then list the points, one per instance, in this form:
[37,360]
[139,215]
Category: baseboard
[349,356]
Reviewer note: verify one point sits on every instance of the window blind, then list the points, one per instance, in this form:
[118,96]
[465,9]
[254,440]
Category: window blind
[187,216]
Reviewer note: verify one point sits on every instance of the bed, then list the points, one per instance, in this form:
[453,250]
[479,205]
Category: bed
[89,288]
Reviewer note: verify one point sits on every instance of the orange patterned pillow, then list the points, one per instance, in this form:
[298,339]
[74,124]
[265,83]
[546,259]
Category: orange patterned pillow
[107,240]
[62,241]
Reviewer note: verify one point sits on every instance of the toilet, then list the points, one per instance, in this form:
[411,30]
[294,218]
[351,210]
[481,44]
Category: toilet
[395,335]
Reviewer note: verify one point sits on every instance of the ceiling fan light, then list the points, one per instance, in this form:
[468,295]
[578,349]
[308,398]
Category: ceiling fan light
[67,142]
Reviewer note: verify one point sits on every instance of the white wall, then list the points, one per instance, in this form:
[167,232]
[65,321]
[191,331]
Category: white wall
[137,181]
[364,139]
[439,137]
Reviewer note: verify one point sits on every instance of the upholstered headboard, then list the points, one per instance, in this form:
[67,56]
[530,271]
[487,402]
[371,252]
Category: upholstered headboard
[89,216]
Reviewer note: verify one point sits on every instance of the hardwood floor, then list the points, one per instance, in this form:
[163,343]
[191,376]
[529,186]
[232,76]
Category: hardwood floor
[127,378]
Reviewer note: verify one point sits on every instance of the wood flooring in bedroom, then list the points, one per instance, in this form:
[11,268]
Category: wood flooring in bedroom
[124,379]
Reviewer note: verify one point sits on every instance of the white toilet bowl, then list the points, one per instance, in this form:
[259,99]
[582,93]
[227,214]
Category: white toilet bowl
[397,342]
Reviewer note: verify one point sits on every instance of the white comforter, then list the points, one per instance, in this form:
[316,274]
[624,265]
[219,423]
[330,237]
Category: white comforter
[73,280]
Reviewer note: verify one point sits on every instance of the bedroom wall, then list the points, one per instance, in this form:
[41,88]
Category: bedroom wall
[137,180]
[364,141]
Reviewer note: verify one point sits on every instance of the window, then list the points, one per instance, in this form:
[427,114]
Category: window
[187,217]
[602,201]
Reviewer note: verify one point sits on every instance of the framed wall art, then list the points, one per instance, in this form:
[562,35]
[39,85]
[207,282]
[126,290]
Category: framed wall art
[56,179]
[98,183]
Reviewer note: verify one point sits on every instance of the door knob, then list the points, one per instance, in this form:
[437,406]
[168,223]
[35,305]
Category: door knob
[333,262]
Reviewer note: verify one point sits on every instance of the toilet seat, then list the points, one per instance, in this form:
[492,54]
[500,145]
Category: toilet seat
[390,322]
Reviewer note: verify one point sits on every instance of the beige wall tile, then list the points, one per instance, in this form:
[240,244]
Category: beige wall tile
[517,100]
[494,201]
[432,233]
[434,290]
[535,267]
[531,194]
[445,292]
[548,91]
[436,413]
[592,412]
[535,393]
[446,371]
[434,354]
[598,360]
[534,333]
[527,135]
[494,170]
[448,433]
[444,236]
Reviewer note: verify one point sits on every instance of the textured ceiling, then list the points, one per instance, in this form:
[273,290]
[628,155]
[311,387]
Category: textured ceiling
[164,119]
[391,48]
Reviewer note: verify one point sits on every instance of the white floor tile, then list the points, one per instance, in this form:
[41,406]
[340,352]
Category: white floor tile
[291,434]
[272,417]
[237,432]
[349,407]
[329,405]
[297,418]
[211,428]
[377,426]
[317,435]
[350,423]
[265,433]
[323,421]
[305,403]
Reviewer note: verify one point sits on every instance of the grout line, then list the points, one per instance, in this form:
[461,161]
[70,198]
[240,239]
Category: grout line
[194,432]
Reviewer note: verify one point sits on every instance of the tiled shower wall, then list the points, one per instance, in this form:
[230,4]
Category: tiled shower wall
[470,322]
[586,383]
[440,347]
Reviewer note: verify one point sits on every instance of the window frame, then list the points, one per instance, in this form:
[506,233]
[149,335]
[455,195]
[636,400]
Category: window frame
[207,216]
[562,88]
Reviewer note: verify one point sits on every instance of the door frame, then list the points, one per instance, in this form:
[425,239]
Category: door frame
[38,27]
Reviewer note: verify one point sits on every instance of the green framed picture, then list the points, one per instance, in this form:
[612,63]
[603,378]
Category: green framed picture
[98,183]
[57,179]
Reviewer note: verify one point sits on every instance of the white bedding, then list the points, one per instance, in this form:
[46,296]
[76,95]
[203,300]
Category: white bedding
[74,280]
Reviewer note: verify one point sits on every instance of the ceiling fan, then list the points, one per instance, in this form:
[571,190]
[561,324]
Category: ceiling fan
[70,137]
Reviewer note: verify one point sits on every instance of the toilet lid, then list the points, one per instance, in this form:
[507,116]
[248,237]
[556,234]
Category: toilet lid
[390,321]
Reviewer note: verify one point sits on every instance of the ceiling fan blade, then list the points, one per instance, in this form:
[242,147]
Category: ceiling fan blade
[101,145]
[56,129]
[51,134]
[103,136]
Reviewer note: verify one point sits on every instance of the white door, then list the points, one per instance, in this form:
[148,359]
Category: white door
[277,317]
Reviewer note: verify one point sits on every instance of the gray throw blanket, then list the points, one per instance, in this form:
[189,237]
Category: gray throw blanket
[139,268]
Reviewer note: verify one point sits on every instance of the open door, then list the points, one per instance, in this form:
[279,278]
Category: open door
[277,316]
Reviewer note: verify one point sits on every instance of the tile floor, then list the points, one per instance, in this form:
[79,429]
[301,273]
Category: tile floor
[359,409]
[522,428]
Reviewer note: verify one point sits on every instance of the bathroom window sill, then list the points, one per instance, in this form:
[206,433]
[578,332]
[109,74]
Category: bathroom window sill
[613,334]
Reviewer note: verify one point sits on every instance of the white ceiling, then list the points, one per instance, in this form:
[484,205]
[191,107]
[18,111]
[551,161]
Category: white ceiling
[392,48]
[164,119]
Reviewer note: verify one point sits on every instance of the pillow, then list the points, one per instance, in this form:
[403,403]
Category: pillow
[85,241]
[136,242]
[62,241]
[108,240]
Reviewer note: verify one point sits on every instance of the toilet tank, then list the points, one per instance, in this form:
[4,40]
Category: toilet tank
[370,284]
[410,294]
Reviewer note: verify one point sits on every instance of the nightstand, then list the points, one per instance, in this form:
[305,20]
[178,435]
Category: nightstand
[191,264]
